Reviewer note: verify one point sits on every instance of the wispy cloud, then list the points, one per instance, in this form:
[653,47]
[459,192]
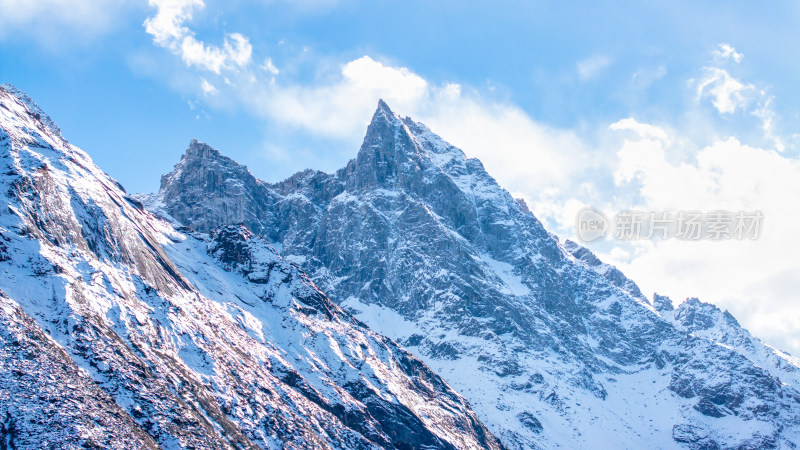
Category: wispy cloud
[56,22]
[726,51]
[592,66]
[642,129]
[208,88]
[269,67]
[768,118]
[643,78]
[665,169]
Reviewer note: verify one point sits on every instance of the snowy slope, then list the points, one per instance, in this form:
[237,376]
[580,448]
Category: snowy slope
[703,320]
[117,330]
[552,348]
[47,400]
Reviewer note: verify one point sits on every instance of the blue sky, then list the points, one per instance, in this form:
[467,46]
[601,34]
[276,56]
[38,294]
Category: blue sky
[126,100]
[616,105]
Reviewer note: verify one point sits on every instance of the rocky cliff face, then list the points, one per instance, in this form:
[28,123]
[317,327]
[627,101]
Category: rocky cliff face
[119,331]
[551,346]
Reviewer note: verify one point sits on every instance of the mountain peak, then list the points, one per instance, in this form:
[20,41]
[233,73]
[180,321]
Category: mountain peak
[384,110]
[384,117]
[387,144]
[213,183]
[201,150]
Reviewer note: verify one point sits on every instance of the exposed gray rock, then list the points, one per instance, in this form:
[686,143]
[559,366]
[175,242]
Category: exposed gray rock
[662,303]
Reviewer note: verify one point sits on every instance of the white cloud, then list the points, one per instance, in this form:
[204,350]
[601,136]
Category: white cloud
[196,53]
[269,67]
[208,88]
[240,51]
[533,156]
[167,25]
[369,75]
[526,156]
[754,279]
[727,93]
[339,107]
[590,67]
[168,31]
[726,51]
[768,118]
[642,129]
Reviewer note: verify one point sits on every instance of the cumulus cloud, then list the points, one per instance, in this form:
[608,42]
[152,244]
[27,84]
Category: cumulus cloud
[338,107]
[527,156]
[660,168]
[168,29]
[743,276]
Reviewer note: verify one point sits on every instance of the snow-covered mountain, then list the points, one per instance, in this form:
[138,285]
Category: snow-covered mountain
[552,348]
[118,330]
[703,320]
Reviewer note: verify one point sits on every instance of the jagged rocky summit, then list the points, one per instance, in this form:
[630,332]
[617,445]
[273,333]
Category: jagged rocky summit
[119,330]
[552,347]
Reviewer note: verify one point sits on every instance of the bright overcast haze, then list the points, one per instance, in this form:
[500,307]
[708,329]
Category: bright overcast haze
[636,106]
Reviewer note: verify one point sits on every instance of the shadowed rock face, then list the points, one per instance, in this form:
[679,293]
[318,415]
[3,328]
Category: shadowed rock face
[550,345]
[119,331]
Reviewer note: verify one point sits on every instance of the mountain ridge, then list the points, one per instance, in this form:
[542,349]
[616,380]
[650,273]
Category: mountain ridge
[421,243]
[211,328]
[171,338]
